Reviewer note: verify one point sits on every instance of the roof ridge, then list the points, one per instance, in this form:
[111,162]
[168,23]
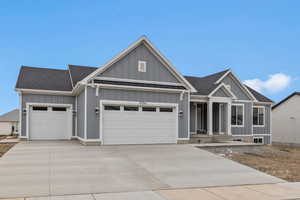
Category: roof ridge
[82,66]
[208,74]
[23,66]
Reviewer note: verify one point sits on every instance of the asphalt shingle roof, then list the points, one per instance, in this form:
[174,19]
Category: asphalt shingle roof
[44,79]
[205,85]
[258,96]
[79,72]
[12,116]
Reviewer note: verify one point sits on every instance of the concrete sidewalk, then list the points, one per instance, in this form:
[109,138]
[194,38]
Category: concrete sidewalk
[279,191]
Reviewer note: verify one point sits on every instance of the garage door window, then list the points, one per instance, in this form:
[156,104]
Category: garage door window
[149,109]
[131,108]
[40,108]
[59,109]
[165,109]
[111,107]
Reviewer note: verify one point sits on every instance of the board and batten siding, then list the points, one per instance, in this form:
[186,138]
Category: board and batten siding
[247,128]
[127,67]
[192,117]
[80,114]
[43,98]
[235,88]
[266,128]
[137,96]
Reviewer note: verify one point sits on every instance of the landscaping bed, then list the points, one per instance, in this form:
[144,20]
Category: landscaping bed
[277,160]
[4,147]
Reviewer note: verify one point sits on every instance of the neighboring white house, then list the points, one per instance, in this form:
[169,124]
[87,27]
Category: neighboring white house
[286,120]
[9,123]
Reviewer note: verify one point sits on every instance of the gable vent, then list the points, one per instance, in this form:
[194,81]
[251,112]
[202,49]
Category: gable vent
[142,67]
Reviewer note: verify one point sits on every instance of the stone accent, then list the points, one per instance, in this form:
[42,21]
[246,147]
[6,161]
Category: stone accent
[183,141]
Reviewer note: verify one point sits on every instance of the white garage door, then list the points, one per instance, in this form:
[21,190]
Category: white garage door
[133,124]
[50,123]
[5,128]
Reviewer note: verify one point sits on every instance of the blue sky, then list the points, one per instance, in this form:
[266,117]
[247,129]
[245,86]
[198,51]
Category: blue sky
[258,40]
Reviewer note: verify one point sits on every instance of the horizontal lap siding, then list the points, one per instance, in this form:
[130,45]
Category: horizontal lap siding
[42,98]
[140,96]
[266,129]
[247,129]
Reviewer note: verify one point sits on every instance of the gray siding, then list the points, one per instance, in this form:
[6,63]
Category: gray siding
[235,88]
[215,117]
[80,114]
[143,96]
[247,129]
[42,98]
[127,67]
[220,93]
[266,129]
[192,117]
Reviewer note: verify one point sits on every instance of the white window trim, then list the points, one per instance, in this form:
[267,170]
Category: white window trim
[264,119]
[243,109]
[140,69]
[263,142]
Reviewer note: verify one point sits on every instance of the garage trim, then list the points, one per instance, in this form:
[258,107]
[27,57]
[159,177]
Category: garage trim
[136,103]
[29,104]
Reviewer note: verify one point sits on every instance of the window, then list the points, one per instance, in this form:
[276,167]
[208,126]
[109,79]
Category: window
[165,109]
[258,140]
[258,116]
[237,115]
[59,109]
[131,108]
[149,109]
[40,108]
[111,107]
[142,66]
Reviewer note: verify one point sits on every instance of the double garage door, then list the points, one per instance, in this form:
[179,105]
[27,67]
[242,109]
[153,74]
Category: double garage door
[136,124]
[50,123]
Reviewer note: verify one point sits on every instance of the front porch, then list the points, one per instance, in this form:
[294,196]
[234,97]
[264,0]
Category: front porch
[210,119]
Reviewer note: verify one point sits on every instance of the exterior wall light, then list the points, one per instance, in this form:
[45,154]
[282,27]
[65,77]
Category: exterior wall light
[180,113]
[97,110]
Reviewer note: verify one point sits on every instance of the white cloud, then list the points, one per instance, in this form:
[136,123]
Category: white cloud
[274,83]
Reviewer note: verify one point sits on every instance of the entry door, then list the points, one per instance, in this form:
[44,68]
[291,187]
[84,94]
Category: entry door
[134,124]
[50,123]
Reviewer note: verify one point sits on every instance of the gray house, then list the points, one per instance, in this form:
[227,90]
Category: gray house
[138,97]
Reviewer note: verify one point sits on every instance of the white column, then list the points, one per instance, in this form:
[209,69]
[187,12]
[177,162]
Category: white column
[228,118]
[209,117]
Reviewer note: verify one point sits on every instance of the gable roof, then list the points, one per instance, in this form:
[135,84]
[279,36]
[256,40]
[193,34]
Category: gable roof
[44,79]
[12,116]
[79,72]
[142,40]
[285,99]
[259,96]
[205,85]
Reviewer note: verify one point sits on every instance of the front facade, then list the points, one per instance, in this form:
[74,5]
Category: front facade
[285,116]
[138,97]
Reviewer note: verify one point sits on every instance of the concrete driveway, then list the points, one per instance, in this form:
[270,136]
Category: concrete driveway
[64,167]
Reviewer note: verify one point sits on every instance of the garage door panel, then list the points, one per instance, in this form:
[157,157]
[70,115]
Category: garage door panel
[50,125]
[139,127]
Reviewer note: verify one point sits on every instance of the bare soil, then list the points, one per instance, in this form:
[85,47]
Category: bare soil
[4,147]
[279,161]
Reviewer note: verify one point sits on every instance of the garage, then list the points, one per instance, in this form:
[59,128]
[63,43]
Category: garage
[139,124]
[50,122]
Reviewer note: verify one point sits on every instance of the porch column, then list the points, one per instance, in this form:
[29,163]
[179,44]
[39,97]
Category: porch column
[209,117]
[228,118]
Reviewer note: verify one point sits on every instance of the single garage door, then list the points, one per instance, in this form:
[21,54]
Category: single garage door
[50,123]
[134,124]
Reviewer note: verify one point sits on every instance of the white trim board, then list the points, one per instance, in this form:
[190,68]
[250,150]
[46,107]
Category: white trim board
[155,51]
[222,85]
[49,92]
[238,81]
[137,81]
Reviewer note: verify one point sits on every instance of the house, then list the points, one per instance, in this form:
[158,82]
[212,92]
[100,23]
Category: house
[138,97]
[286,120]
[9,123]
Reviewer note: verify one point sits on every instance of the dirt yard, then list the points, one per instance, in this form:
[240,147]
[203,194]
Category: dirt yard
[4,147]
[279,161]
